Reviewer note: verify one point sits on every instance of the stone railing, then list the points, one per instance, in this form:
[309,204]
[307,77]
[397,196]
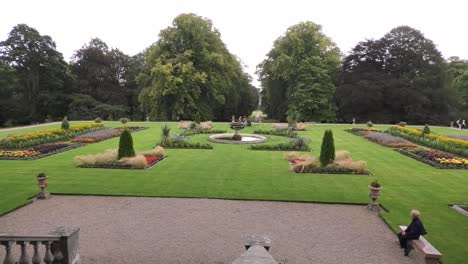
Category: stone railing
[59,246]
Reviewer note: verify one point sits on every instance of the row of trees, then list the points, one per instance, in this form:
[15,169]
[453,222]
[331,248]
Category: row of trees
[400,77]
[190,74]
[187,74]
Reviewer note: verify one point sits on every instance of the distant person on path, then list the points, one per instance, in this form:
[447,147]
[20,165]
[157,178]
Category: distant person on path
[414,230]
[459,124]
[463,124]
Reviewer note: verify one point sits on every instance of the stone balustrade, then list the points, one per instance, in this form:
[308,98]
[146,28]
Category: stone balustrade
[59,246]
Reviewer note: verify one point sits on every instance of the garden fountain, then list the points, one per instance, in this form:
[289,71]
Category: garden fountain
[237,138]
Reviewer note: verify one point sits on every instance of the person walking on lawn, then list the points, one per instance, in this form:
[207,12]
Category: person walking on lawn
[414,230]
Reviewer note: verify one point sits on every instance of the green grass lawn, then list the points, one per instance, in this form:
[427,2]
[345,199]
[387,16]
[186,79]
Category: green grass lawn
[235,172]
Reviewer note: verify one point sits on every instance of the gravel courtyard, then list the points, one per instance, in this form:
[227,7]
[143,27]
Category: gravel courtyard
[174,230]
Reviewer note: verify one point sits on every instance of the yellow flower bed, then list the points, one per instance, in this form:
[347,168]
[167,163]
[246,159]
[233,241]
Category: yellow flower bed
[433,136]
[53,132]
[460,161]
[18,153]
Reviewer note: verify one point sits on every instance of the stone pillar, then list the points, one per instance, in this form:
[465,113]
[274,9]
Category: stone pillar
[69,243]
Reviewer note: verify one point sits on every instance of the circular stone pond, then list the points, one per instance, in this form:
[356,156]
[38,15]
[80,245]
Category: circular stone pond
[246,139]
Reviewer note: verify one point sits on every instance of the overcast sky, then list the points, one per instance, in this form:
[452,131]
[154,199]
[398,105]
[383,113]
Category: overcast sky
[247,27]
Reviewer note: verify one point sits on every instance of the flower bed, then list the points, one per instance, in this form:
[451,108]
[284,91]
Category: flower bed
[343,164]
[18,154]
[177,143]
[282,133]
[436,158]
[433,140]
[103,134]
[109,160]
[151,161]
[37,152]
[192,132]
[46,136]
[290,146]
[388,140]
[361,131]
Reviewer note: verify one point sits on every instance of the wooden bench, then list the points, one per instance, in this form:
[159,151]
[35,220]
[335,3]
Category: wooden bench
[431,254]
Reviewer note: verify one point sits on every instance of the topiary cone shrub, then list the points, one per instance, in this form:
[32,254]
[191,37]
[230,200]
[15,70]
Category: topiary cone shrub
[327,151]
[126,145]
[426,130]
[65,124]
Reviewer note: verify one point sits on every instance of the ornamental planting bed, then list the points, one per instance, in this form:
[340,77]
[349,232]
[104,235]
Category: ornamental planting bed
[381,138]
[23,141]
[343,164]
[103,134]
[39,151]
[151,161]
[109,159]
[436,158]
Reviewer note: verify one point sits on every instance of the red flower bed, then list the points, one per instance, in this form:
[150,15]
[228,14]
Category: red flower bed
[294,161]
[151,159]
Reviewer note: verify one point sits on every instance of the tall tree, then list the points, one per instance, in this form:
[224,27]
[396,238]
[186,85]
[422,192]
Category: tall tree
[103,75]
[457,82]
[299,75]
[190,74]
[10,106]
[399,77]
[43,77]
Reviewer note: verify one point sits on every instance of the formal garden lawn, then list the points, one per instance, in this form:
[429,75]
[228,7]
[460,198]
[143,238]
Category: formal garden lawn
[235,172]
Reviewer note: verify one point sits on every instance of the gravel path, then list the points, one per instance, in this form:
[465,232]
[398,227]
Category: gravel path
[164,230]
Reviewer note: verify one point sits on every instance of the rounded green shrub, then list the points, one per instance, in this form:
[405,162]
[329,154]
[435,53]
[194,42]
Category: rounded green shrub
[426,130]
[126,145]
[65,124]
[370,124]
[327,151]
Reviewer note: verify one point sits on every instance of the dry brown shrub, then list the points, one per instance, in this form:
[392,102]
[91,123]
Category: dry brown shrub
[157,151]
[280,126]
[308,163]
[137,162]
[100,158]
[106,157]
[355,166]
[300,126]
[85,160]
[342,155]
[184,124]
[208,125]
[291,156]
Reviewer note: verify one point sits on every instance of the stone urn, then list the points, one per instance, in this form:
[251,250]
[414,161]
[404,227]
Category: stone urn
[374,194]
[236,126]
[42,183]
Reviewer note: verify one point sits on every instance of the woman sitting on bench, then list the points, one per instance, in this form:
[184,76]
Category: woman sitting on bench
[412,232]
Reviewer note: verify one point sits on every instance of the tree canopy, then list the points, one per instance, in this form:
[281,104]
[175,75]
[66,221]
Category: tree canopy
[299,75]
[399,77]
[190,74]
[34,74]
[105,82]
